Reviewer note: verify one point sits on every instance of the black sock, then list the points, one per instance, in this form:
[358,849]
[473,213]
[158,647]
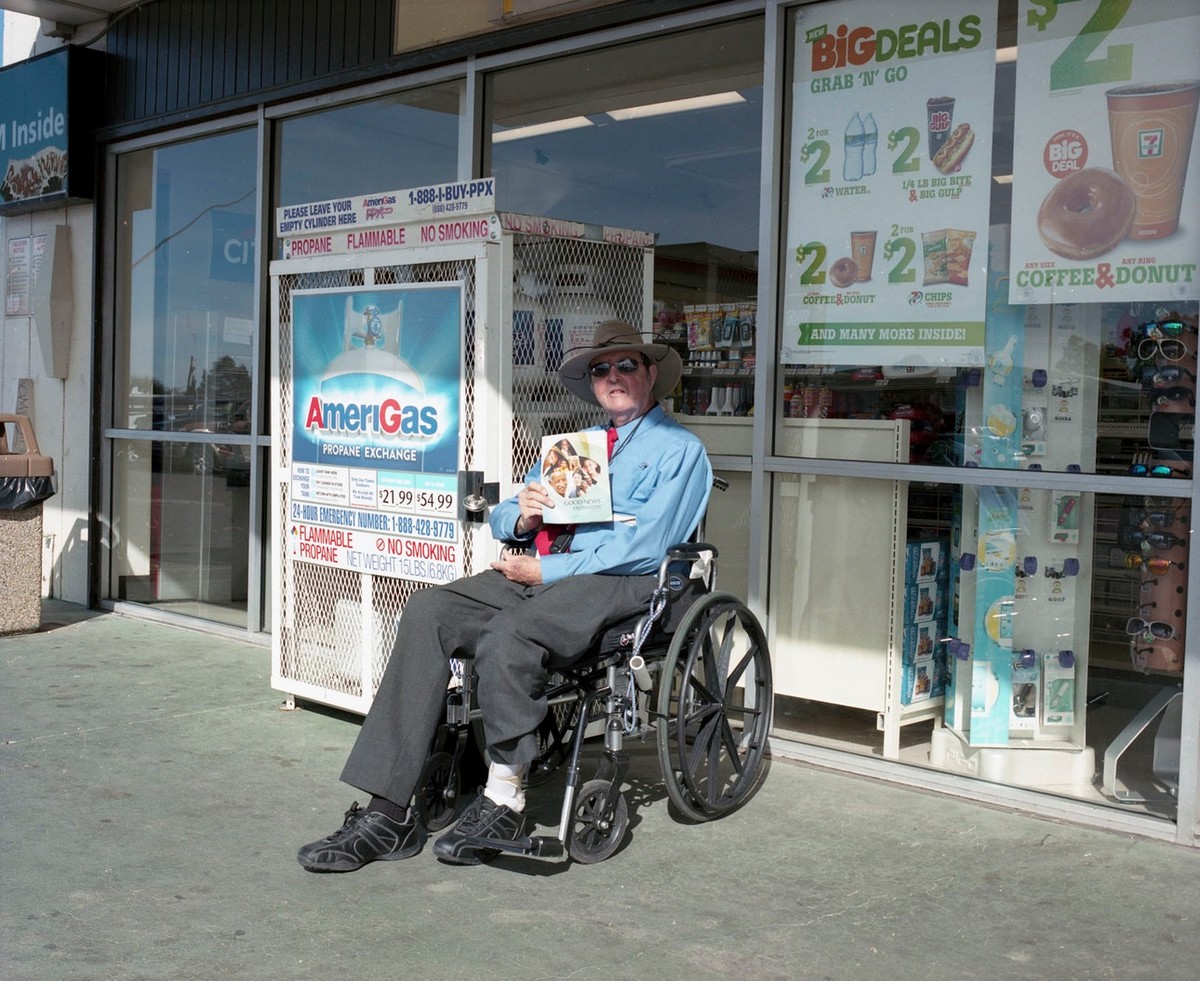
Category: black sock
[397,812]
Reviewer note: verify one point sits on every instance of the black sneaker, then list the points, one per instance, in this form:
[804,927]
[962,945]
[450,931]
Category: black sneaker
[482,821]
[367,836]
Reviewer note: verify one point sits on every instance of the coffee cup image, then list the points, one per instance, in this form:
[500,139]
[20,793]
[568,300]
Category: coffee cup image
[1151,128]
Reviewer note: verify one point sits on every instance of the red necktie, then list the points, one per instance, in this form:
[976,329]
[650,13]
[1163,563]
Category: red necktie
[544,539]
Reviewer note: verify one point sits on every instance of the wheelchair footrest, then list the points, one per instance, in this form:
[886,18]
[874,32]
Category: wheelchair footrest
[535,846]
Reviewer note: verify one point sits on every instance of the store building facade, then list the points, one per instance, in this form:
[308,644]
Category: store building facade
[931,268]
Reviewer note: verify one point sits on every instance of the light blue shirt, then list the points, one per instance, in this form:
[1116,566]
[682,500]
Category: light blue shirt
[661,479]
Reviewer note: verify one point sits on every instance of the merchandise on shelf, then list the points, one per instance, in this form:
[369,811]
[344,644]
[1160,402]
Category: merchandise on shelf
[1161,355]
[922,640]
[926,601]
[923,679]
[926,560]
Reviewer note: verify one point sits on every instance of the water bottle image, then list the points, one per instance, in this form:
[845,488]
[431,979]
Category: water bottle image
[870,139]
[852,166]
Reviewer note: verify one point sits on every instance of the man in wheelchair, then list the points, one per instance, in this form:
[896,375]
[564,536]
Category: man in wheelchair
[531,613]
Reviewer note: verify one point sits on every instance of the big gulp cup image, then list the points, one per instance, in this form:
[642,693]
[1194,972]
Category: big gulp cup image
[940,115]
[1151,128]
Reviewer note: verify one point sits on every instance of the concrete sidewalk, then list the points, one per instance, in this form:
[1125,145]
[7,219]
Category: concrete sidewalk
[153,796]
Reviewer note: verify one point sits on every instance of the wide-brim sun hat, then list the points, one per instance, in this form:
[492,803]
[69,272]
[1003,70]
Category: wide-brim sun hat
[616,335]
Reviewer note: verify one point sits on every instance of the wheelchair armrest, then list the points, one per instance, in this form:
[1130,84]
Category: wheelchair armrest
[691,551]
[701,555]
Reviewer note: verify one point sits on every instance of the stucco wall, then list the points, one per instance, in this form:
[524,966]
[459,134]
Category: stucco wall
[59,408]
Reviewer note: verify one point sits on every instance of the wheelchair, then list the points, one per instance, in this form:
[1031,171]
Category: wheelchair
[693,672]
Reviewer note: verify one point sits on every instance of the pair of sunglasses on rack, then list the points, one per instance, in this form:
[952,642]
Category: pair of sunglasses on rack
[1155,563]
[1171,327]
[1168,348]
[1155,519]
[1135,537]
[1176,393]
[1157,470]
[625,366]
[1154,628]
[1158,377]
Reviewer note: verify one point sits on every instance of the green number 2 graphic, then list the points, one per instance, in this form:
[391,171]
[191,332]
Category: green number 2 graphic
[1072,69]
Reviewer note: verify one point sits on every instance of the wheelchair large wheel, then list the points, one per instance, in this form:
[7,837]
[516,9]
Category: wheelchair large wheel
[596,831]
[714,707]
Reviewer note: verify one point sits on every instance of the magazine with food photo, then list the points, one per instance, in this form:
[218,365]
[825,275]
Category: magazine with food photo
[575,473]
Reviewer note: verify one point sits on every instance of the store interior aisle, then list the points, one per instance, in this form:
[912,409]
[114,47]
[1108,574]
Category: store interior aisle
[154,793]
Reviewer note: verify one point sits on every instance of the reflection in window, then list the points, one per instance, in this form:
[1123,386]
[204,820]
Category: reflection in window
[662,136]
[186,259]
[180,527]
[408,139]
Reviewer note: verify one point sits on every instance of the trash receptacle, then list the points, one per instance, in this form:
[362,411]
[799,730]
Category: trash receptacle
[26,480]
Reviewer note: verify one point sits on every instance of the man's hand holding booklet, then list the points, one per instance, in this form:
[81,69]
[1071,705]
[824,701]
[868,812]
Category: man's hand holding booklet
[575,472]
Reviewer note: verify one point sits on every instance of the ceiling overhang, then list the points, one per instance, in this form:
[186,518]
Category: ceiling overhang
[74,12]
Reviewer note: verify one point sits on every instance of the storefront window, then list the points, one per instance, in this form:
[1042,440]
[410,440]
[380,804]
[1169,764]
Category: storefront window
[984,267]
[186,255]
[407,139]
[661,136]
[181,527]
[184,365]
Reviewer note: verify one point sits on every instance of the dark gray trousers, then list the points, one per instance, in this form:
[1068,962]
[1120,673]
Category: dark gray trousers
[516,635]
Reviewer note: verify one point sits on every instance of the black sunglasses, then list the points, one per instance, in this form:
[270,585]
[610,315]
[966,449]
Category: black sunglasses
[626,366]
[1159,377]
[1131,537]
[1156,519]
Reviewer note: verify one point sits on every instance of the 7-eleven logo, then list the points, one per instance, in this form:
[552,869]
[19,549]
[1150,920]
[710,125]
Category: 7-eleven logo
[1150,143]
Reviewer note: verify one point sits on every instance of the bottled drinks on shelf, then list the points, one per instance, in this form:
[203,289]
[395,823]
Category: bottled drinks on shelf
[714,401]
[796,405]
[730,402]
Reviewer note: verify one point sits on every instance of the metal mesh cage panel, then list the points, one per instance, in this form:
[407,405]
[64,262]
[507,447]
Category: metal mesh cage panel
[324,638]
[337,628]
[562,288]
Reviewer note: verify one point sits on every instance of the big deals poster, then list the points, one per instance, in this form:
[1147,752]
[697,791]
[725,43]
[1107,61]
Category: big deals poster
[376,374]
[1103,206]
[889,185]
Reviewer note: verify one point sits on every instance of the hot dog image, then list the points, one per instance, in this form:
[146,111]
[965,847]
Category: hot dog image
[954,151]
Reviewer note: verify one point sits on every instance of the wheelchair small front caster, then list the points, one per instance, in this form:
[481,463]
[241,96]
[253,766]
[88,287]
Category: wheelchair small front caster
[597,831]
[437,791]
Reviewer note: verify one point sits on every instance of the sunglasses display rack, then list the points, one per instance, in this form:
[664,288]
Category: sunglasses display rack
[1153,529]
[1022,564]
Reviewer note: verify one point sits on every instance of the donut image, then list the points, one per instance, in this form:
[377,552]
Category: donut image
[844,272]
[1086,214]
